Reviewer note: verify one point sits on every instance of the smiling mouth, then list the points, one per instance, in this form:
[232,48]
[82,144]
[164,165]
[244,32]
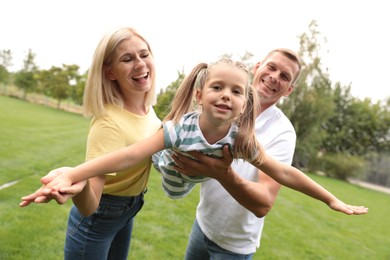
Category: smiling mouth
[143,76]
[224,107]
[268,86]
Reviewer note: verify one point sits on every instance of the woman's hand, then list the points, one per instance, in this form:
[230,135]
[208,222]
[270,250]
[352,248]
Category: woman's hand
[45,194]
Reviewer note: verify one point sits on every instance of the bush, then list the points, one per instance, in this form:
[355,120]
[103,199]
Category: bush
[340,166]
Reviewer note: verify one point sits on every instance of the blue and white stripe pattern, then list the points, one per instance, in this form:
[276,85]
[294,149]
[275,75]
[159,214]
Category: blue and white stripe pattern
[183,137]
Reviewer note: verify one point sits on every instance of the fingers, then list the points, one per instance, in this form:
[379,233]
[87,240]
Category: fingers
[351,210]
[42,199]
[36,198]
[40,192]
[227,155]
[54,173]
[358,210]
[198,156]
[74,189]
[60,198]
[25,203]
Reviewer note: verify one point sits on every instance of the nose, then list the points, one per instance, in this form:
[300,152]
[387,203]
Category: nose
[274,76]
[139,63]
[226,94]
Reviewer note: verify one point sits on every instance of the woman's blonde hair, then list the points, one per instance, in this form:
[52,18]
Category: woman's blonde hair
[99,90]
[184,101]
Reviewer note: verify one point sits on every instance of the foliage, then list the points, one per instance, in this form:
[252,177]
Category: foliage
[338,165]
[165,97]
[78,89]
[25,78]
[310,104]
[60,83]
[5,62]
[359,127]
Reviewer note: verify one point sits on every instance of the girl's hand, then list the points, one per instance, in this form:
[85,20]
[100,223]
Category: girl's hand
[45,194]
[338,205]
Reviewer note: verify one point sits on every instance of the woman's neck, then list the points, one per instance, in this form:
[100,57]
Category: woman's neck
[136,105]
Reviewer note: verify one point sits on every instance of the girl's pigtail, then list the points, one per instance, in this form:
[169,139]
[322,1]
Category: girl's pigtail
[184,100]
[246,143]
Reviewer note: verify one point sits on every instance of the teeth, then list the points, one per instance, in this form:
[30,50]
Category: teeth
[141,76]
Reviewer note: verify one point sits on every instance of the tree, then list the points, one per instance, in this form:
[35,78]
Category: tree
[5,62]
[78,89]
[311,103]
[25,78]
[74,80]
[54,83]
[165,97]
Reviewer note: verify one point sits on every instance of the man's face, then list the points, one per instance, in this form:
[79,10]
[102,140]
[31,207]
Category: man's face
[273,78]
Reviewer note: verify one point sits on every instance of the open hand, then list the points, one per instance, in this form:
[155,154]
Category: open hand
[45,194]
[348,209]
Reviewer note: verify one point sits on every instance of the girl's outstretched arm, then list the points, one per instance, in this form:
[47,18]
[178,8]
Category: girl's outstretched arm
[112,162]
[295,179]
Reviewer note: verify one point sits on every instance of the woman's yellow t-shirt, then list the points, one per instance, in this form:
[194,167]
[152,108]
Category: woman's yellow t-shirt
[118,129]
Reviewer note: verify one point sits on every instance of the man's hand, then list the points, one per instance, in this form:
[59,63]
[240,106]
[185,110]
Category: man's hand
[204,165]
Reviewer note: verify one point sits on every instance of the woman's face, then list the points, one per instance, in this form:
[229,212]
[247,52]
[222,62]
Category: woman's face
[132,66]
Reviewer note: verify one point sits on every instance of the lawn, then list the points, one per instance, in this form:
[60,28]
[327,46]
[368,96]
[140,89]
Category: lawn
[35,139]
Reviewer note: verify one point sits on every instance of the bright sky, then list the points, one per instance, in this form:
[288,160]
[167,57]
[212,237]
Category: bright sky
[183,33]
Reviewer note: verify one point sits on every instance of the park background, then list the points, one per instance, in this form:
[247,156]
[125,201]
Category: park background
[343,132]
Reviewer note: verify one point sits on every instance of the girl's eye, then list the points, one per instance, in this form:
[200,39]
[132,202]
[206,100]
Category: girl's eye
[216,87]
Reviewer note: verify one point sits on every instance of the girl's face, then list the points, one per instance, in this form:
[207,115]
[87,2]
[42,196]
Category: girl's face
[132,66]
[223,96]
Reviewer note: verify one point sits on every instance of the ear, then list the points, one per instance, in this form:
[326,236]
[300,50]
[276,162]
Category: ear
[257,65]
[288,90]
[198,96]
[243,108]
[108,73]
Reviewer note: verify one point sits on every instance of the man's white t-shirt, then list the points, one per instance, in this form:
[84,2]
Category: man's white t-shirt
[221,218]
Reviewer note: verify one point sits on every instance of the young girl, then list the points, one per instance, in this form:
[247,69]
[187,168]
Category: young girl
[222,91]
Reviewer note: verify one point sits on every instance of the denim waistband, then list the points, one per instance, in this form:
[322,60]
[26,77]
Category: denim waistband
[109,197]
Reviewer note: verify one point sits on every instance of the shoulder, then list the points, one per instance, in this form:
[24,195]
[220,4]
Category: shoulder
[273,117]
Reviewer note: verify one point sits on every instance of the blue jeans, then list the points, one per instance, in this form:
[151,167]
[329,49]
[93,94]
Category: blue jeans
[106,234]
[201,248]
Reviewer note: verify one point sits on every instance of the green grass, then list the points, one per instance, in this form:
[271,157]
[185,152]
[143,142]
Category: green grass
[35,139]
